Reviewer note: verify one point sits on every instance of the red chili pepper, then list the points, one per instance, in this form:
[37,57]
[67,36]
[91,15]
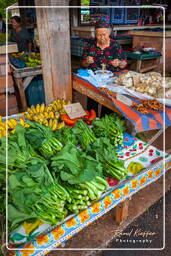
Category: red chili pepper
[92,115]
[88,122]
[67,120]
[87,114]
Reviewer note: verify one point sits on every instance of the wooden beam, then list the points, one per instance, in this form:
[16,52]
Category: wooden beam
[54,36]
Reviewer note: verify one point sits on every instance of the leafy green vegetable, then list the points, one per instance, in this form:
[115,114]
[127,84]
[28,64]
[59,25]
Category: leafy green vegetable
[110,126]
[75,166]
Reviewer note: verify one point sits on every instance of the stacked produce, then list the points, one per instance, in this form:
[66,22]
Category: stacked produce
[150,83]
[84,134]
[32,60]
[10,124]
[48,115]
[105,153]
[55,173]
[110,126]
[23,59]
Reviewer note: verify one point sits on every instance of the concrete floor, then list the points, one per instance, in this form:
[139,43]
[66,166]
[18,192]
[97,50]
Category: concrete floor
[103,232]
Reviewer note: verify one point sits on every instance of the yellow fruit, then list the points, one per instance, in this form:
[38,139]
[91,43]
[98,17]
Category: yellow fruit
[62,111]
[60,125]
[14,122]
[4,133]
[45,122]
[55,123]
[13,131]
[46,114]
[54,107]
[48,108]
[42,108]
[51,114]
[28,116]
[33,109]
[27,126]
[35,118]
[2,125]
[10,124]
[37,108]
[22,122]
[30,111]
[51,122]
[135,167]
[0,118]
[57,115]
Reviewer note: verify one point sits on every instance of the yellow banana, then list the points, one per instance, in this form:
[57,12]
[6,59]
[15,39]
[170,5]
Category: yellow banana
[34,109]
[22,122]
[51,122]
[55,124]
[51,114]
[37,108]
[54,107]
[28,116]
[42,108]
[14,122]
[60,125]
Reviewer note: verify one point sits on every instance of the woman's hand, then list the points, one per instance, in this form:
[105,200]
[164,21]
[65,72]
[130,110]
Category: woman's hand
[119,63]
[89,60]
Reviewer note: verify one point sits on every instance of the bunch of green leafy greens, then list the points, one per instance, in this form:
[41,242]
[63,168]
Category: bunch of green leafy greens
[75,166]
[110,126]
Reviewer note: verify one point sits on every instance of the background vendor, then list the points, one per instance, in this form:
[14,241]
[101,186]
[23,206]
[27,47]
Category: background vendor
[20,35]
[103,49]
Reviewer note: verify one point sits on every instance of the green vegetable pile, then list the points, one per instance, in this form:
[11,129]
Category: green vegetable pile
[111,126]
[53,174]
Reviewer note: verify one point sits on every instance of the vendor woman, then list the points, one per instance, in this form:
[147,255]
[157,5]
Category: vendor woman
[103,50]
[20,35]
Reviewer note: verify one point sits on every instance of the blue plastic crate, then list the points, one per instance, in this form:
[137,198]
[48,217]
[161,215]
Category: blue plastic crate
[35,91]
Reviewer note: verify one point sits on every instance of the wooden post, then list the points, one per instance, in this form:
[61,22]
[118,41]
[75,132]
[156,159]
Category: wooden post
[54,36]
[121,211]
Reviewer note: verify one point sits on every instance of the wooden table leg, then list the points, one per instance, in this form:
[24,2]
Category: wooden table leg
[121,211]
[19,84]
[138,67]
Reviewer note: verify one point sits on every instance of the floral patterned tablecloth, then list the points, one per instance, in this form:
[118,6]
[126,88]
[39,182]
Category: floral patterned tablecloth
[42,238]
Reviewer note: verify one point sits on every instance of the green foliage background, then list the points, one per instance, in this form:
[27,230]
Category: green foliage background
[4,4]
[85,2]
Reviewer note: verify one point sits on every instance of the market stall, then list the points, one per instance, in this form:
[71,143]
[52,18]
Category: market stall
[144,164]
[66,167]
[106,94]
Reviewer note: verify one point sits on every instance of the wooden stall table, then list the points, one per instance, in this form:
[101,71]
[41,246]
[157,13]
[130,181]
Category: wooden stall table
[23,77]
[95,94]
[154,39]
[144,62]
[137,121]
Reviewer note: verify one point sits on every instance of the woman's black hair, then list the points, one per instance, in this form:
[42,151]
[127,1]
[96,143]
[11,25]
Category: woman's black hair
[0,16]
[16,18]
